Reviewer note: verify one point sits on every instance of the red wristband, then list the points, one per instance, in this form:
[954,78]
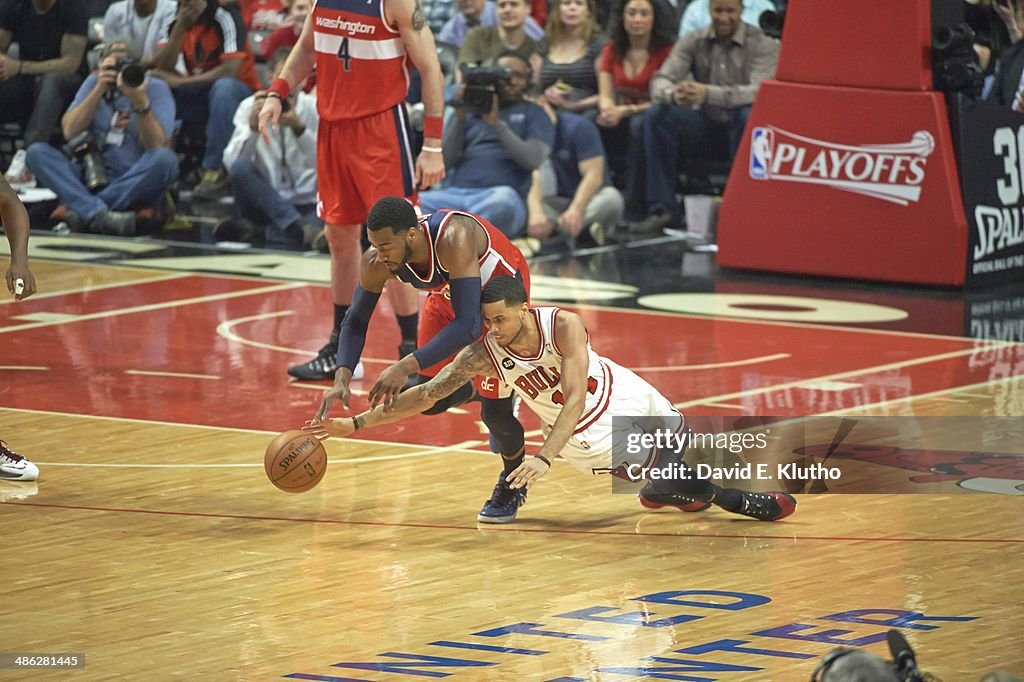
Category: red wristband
[280,87]
[433,126]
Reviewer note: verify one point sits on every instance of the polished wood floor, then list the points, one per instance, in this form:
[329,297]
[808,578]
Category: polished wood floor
[154,545]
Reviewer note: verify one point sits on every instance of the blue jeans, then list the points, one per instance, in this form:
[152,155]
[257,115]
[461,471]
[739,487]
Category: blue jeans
[215,106]
[501,205]
[258,201]
[671,131]
[143,184]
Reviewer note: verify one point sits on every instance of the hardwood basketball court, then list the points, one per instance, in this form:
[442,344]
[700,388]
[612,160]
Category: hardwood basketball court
[146,391]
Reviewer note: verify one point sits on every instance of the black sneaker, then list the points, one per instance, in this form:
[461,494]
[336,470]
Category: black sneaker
[116,223]
[319,368]
[235,230]
[323,366]
[768,506]
[652,499]
[504,503]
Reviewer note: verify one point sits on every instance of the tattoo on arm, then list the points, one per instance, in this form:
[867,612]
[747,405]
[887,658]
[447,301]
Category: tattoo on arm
[470,362]
[418,20]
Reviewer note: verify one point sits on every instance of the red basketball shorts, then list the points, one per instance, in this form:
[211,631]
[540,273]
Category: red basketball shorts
[361,160]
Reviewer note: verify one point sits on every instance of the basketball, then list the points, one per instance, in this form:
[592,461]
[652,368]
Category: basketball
[295,461]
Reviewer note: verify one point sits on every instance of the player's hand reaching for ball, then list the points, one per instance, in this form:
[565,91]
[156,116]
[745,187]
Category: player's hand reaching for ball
[327,428]
[526,473]
[339,391]
[389,384]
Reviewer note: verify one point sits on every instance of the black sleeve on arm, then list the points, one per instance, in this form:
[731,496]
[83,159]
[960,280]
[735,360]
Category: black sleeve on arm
[460,332]
[354,326]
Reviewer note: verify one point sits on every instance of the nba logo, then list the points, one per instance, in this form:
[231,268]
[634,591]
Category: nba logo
[762,141]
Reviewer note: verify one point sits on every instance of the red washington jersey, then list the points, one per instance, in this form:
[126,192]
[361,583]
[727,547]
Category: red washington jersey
[360,60]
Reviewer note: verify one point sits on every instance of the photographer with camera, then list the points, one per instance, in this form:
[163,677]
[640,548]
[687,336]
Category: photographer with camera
[117,157]
[495,141]
[274,182]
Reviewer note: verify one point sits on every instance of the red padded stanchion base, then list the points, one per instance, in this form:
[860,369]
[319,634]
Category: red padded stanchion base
[846,182]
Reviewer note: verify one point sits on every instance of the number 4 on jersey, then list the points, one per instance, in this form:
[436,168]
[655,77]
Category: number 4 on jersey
[344,56]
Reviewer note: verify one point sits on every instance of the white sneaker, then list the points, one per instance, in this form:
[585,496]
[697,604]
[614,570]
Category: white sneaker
[18,175]
[357,373]
[14,467]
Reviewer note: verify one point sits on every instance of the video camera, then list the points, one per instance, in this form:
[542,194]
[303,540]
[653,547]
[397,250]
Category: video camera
[903,666]
[481,85]
[84,149]
[955,64]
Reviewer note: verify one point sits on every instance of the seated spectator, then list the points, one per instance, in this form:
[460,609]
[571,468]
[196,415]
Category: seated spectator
[703,117]
[263,16]
[697,15]
[567,57]
[437,13]
[287,34]
[132,125]
[478,13]
[491,154]
[581,203]
[207,61]
[1008,86]
[274,181]
[484,43]
[36,88]
[146,22]
[641,39]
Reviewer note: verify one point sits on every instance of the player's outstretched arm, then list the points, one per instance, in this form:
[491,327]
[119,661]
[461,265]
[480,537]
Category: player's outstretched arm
[352,336]
[472,361]
[457,253]
[572,339]
[408,17]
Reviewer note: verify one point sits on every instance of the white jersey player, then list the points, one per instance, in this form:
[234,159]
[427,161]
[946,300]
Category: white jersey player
[586,402]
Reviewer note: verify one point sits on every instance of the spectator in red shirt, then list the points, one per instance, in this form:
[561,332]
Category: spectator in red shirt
[207,61]
[641,39]
[263,15]
[287,34]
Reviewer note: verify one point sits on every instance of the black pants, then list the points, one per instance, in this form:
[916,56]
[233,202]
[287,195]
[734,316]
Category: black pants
[37,102]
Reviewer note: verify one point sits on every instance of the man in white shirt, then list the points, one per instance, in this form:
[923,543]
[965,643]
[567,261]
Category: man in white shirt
[144,20]
[274,184]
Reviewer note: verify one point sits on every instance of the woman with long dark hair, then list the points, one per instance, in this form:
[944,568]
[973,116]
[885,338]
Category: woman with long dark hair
[642,36]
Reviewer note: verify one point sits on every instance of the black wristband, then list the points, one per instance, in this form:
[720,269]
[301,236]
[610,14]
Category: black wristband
[355,424]
[544,459]
[143,110]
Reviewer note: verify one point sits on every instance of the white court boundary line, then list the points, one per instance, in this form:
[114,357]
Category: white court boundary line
[923,360]
[101,287]
[714,365]
[153,306]
[780,323]
[422,450]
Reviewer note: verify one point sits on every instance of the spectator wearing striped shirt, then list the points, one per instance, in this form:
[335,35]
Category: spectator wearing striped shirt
[567,57]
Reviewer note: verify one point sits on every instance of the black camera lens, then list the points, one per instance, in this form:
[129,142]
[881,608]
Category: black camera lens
[133,75]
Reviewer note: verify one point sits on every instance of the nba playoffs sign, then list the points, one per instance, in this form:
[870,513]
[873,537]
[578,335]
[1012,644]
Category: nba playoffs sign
[889,172]
[846,182]
[992,177]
